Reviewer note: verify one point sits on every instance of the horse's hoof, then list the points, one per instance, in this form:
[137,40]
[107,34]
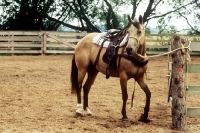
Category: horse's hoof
[89,114]
[78,115]
[124,119]
[144,119]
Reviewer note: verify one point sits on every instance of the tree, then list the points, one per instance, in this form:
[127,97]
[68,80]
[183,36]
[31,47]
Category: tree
[27,15]
[164,17]
[195,15]
[90,15]
[95,15]
[73,9]
[105,13]
[180,9]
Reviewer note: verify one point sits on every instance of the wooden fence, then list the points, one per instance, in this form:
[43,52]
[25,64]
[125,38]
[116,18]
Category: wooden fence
[50,42]
[38,42]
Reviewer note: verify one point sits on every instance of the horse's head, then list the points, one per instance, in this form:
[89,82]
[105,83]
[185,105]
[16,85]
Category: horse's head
[136,31]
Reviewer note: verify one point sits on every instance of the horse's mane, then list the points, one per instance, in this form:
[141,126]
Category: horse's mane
[136,24]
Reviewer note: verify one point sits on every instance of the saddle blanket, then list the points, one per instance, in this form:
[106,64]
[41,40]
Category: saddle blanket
[99,39]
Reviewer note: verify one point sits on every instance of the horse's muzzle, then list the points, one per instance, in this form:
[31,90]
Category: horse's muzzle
[130,51]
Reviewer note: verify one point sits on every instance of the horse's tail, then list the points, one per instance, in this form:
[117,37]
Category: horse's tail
[74,76]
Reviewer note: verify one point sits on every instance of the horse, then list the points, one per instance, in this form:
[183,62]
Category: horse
[132,63]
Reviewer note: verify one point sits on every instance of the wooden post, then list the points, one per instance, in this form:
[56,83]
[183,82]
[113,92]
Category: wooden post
[178,85]
[12,43]
[44,43]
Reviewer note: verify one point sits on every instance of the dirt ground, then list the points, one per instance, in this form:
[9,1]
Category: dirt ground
[35,96]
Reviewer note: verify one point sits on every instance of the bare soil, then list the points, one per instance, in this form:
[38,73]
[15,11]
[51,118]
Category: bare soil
[35,96]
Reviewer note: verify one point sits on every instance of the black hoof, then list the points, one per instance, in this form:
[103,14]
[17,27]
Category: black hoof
[78,115]
[144,119]
[124,119]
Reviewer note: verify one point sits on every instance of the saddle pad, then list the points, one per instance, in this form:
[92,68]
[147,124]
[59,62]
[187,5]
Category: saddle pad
[98,39]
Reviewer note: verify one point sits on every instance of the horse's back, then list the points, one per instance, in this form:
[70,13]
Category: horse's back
[85,43]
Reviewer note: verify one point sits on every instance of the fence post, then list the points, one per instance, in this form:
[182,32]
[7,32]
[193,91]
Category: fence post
[12,43]
[44,43]
[178,85]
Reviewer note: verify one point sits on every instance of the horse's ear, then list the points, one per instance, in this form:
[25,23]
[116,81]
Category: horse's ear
[129,19]
[140,19]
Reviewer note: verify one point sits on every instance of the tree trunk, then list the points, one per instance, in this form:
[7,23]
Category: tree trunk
[178,85]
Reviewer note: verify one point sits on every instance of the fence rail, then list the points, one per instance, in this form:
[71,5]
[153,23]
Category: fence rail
[54,42]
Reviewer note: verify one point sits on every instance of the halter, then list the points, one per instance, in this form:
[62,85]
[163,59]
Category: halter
[138,40]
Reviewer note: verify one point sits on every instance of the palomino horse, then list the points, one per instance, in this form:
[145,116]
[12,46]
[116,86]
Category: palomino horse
[131,60]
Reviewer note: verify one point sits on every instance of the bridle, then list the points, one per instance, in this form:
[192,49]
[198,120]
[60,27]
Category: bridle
[138,40]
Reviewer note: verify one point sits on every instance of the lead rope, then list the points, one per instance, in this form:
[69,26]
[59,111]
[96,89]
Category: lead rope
[133,96]
[167,53]
[188,49]
[188,60]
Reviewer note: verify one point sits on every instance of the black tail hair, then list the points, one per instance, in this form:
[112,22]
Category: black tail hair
[74,76]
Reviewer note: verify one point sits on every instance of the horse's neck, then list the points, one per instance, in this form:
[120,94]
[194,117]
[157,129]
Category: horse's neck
[142,49]
[141,54]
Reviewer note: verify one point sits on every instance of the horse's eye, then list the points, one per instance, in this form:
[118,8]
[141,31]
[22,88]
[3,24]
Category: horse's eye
[139,32]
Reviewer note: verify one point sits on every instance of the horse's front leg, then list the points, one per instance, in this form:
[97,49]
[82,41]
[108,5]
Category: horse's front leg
[143,85]
[123,82]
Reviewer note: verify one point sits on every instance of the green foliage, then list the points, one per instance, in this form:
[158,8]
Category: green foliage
[26,14]
[96,15]
[187,10]
[147,31]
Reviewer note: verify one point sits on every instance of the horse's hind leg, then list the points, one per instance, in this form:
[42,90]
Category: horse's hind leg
[81,75]
[92,73]
[143,85]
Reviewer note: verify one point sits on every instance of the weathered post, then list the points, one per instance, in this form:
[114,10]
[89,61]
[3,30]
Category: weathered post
[178,85]
[12,43]
[44,46]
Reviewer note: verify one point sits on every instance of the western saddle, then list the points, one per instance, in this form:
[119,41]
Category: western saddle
[110,56]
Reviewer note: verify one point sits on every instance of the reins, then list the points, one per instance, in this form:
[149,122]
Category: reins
[133,96]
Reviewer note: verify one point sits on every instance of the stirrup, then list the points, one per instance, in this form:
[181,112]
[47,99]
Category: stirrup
[107,72]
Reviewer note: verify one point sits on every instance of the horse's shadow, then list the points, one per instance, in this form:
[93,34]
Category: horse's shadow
[160,117]
[105,122]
